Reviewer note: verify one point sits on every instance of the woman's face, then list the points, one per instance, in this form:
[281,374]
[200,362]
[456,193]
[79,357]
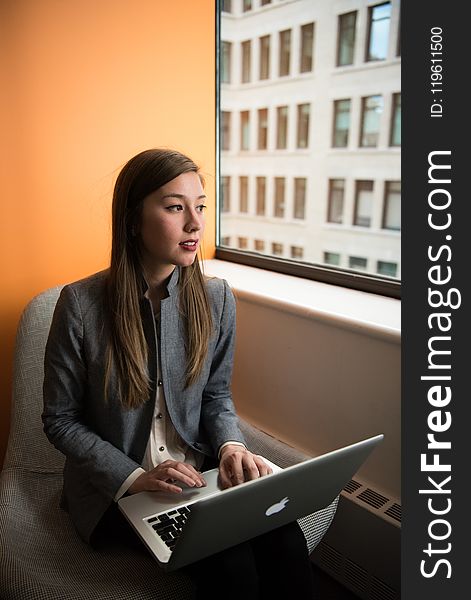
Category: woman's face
[172,223]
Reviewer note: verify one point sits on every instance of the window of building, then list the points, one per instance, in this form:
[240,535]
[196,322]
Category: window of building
[279,208]
[302,140]
[226,240]
[363,203]
[395,139]
[299,211]
[277,249]
[262,128]
[244,129]
[358,263]
[246,61]
[246,5]
[332,258]
[372,109]
[297,252]
[346,38]
[226,193]
[243,243]
[264,57]
[307,47]
[335,202]
[386,268]
[226,130]
[282,127]
[379,18]
[285,52]
[259,246]
[392,206]
[227,5]
[261,187]
[263,2]
[226,62]
[243,194]
[341,123]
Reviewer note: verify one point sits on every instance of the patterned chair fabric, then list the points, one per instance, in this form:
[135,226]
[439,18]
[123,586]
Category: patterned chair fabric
[41,555]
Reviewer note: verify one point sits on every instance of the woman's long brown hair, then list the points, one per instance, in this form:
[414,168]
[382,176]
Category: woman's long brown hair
[127,348]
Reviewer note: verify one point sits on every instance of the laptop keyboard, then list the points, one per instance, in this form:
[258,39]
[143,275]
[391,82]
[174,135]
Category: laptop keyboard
[168,526]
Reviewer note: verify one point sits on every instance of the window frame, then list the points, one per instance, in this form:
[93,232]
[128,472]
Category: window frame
[330,274]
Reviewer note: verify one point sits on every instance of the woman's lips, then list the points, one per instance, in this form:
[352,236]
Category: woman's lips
[189,245]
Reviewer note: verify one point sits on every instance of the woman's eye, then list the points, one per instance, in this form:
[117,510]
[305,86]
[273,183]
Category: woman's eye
[201,207]
[175,207]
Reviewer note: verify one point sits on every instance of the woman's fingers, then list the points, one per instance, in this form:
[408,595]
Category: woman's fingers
[239,466]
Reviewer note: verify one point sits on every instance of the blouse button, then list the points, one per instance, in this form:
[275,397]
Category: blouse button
[159,383]
[159,416]
[161,449]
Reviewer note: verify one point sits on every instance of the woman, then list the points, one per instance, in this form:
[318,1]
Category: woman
[137,375]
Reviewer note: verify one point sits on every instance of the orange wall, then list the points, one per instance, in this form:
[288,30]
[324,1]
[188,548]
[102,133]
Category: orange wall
[88,84]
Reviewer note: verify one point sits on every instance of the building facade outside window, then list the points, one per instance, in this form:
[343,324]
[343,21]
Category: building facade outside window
[307,48]
[226,62]
[262,128]
[299,211]
[279,208]
[261,187]
[371,111]
[332,258]
[259,246]
[226,193]
[386,268]
[243,194]
[357,263]
[379,18]
[285,52]
[277,249]
[297,252]
[246,61]
[245,130]
[303,126]
[281,127]
[246,5]
[392,206]
[243,243]
[363,203]
[226,130]
[346,38]
[335,201]
[264,57]
[341,123]
[395,139]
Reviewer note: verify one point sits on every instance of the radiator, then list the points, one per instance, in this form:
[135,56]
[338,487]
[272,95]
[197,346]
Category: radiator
[362,548]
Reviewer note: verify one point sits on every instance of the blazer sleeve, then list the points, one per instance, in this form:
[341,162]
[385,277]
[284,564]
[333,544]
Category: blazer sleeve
[65,393]
[217,411]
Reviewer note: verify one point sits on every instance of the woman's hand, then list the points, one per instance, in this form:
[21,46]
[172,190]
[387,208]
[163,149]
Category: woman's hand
[237,464]
[164,477]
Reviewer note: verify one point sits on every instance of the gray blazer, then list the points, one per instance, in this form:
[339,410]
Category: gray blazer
[103,442]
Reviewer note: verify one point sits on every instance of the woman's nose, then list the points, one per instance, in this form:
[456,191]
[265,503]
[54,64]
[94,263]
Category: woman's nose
[193,222]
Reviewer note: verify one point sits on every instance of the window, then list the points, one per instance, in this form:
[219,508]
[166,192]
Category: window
[243,243]
[307,44]
[279,208]
[392,206]
[379,18]
[226,130]
[372,109]
[259,246]
[363,203]
[285,52]
[246,58]
[341,123]
[386,268]
[332,258]
[263,2]
[346,38]
[277,249]
[299,197]
[297,252]
[261,186]
[227,5]
[226,240]
[264,57]
[226,63]
[243,194]
[357,263]
[262,128]
[281,127]
[244,130]
[246,5]
[335,204]
[395,139]
[303,126]
[226,193]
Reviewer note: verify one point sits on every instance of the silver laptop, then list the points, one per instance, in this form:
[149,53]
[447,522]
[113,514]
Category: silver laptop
[207,520]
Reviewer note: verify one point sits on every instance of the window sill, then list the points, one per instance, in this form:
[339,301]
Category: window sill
[365,313]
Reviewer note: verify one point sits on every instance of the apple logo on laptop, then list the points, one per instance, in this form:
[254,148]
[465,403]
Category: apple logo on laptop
[275,508]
